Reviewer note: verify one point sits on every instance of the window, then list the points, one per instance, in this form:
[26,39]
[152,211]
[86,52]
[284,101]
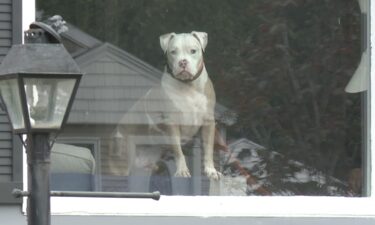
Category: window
[291,116]
[76,164]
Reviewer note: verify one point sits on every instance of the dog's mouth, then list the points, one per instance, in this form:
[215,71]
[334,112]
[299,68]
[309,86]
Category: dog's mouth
[184,75]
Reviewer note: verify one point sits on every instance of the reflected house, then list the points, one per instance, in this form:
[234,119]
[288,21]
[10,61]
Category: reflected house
[113,86]
[244,169]
[245,150]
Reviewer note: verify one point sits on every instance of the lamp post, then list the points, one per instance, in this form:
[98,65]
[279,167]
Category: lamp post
[38,82]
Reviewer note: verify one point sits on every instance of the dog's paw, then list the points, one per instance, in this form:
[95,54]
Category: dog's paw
[182,173]
[212,173]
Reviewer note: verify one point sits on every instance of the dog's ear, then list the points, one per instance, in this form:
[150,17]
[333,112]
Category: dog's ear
[202,37]
[164,40]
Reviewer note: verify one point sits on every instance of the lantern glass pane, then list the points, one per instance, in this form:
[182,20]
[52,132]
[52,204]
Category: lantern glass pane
[11,96]
[47,100]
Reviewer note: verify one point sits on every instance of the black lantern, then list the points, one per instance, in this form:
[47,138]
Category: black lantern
[37,84]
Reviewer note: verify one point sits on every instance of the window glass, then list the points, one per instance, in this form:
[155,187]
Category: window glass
[259,97]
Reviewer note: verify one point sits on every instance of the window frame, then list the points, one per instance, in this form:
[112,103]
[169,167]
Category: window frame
[212,206]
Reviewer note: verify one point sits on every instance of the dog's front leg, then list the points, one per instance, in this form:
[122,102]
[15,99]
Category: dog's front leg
[208,135]
[182,169]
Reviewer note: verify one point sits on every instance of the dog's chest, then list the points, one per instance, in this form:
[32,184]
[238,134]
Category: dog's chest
[190,106]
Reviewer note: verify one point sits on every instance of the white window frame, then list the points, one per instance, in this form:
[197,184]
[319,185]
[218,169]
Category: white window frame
[207,206]
[28,16]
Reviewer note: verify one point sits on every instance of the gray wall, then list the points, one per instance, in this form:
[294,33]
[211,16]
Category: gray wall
[11,215]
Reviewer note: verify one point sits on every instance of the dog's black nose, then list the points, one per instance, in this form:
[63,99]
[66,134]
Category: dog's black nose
[182,63]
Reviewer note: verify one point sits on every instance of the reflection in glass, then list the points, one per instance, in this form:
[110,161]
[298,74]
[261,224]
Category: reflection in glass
[47,100]
[11,97]
[284,124]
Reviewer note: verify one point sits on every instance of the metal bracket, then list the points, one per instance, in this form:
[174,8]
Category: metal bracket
[17,193]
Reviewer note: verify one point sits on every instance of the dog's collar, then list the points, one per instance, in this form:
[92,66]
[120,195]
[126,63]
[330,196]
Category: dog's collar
[169,71]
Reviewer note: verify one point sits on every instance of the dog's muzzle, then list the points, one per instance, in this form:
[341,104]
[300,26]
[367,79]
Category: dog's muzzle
[196,76]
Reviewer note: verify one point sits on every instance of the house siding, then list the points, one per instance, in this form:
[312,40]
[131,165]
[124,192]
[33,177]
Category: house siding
[5,28]
[10,158]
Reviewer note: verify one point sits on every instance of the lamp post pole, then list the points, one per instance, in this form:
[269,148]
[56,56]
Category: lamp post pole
[38,155]
[38,162]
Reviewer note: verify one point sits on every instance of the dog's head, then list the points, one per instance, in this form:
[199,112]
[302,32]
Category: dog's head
[184,53]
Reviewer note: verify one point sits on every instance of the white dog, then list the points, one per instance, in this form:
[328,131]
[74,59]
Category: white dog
[183,105]
[186,82]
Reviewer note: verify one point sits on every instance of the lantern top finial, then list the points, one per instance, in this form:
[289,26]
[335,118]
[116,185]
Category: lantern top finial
[46,32]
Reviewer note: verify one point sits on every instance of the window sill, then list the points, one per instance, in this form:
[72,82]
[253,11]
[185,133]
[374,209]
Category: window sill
[218,206]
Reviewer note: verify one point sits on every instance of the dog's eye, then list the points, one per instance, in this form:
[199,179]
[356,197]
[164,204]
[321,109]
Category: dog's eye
[173,52]
[193,51]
